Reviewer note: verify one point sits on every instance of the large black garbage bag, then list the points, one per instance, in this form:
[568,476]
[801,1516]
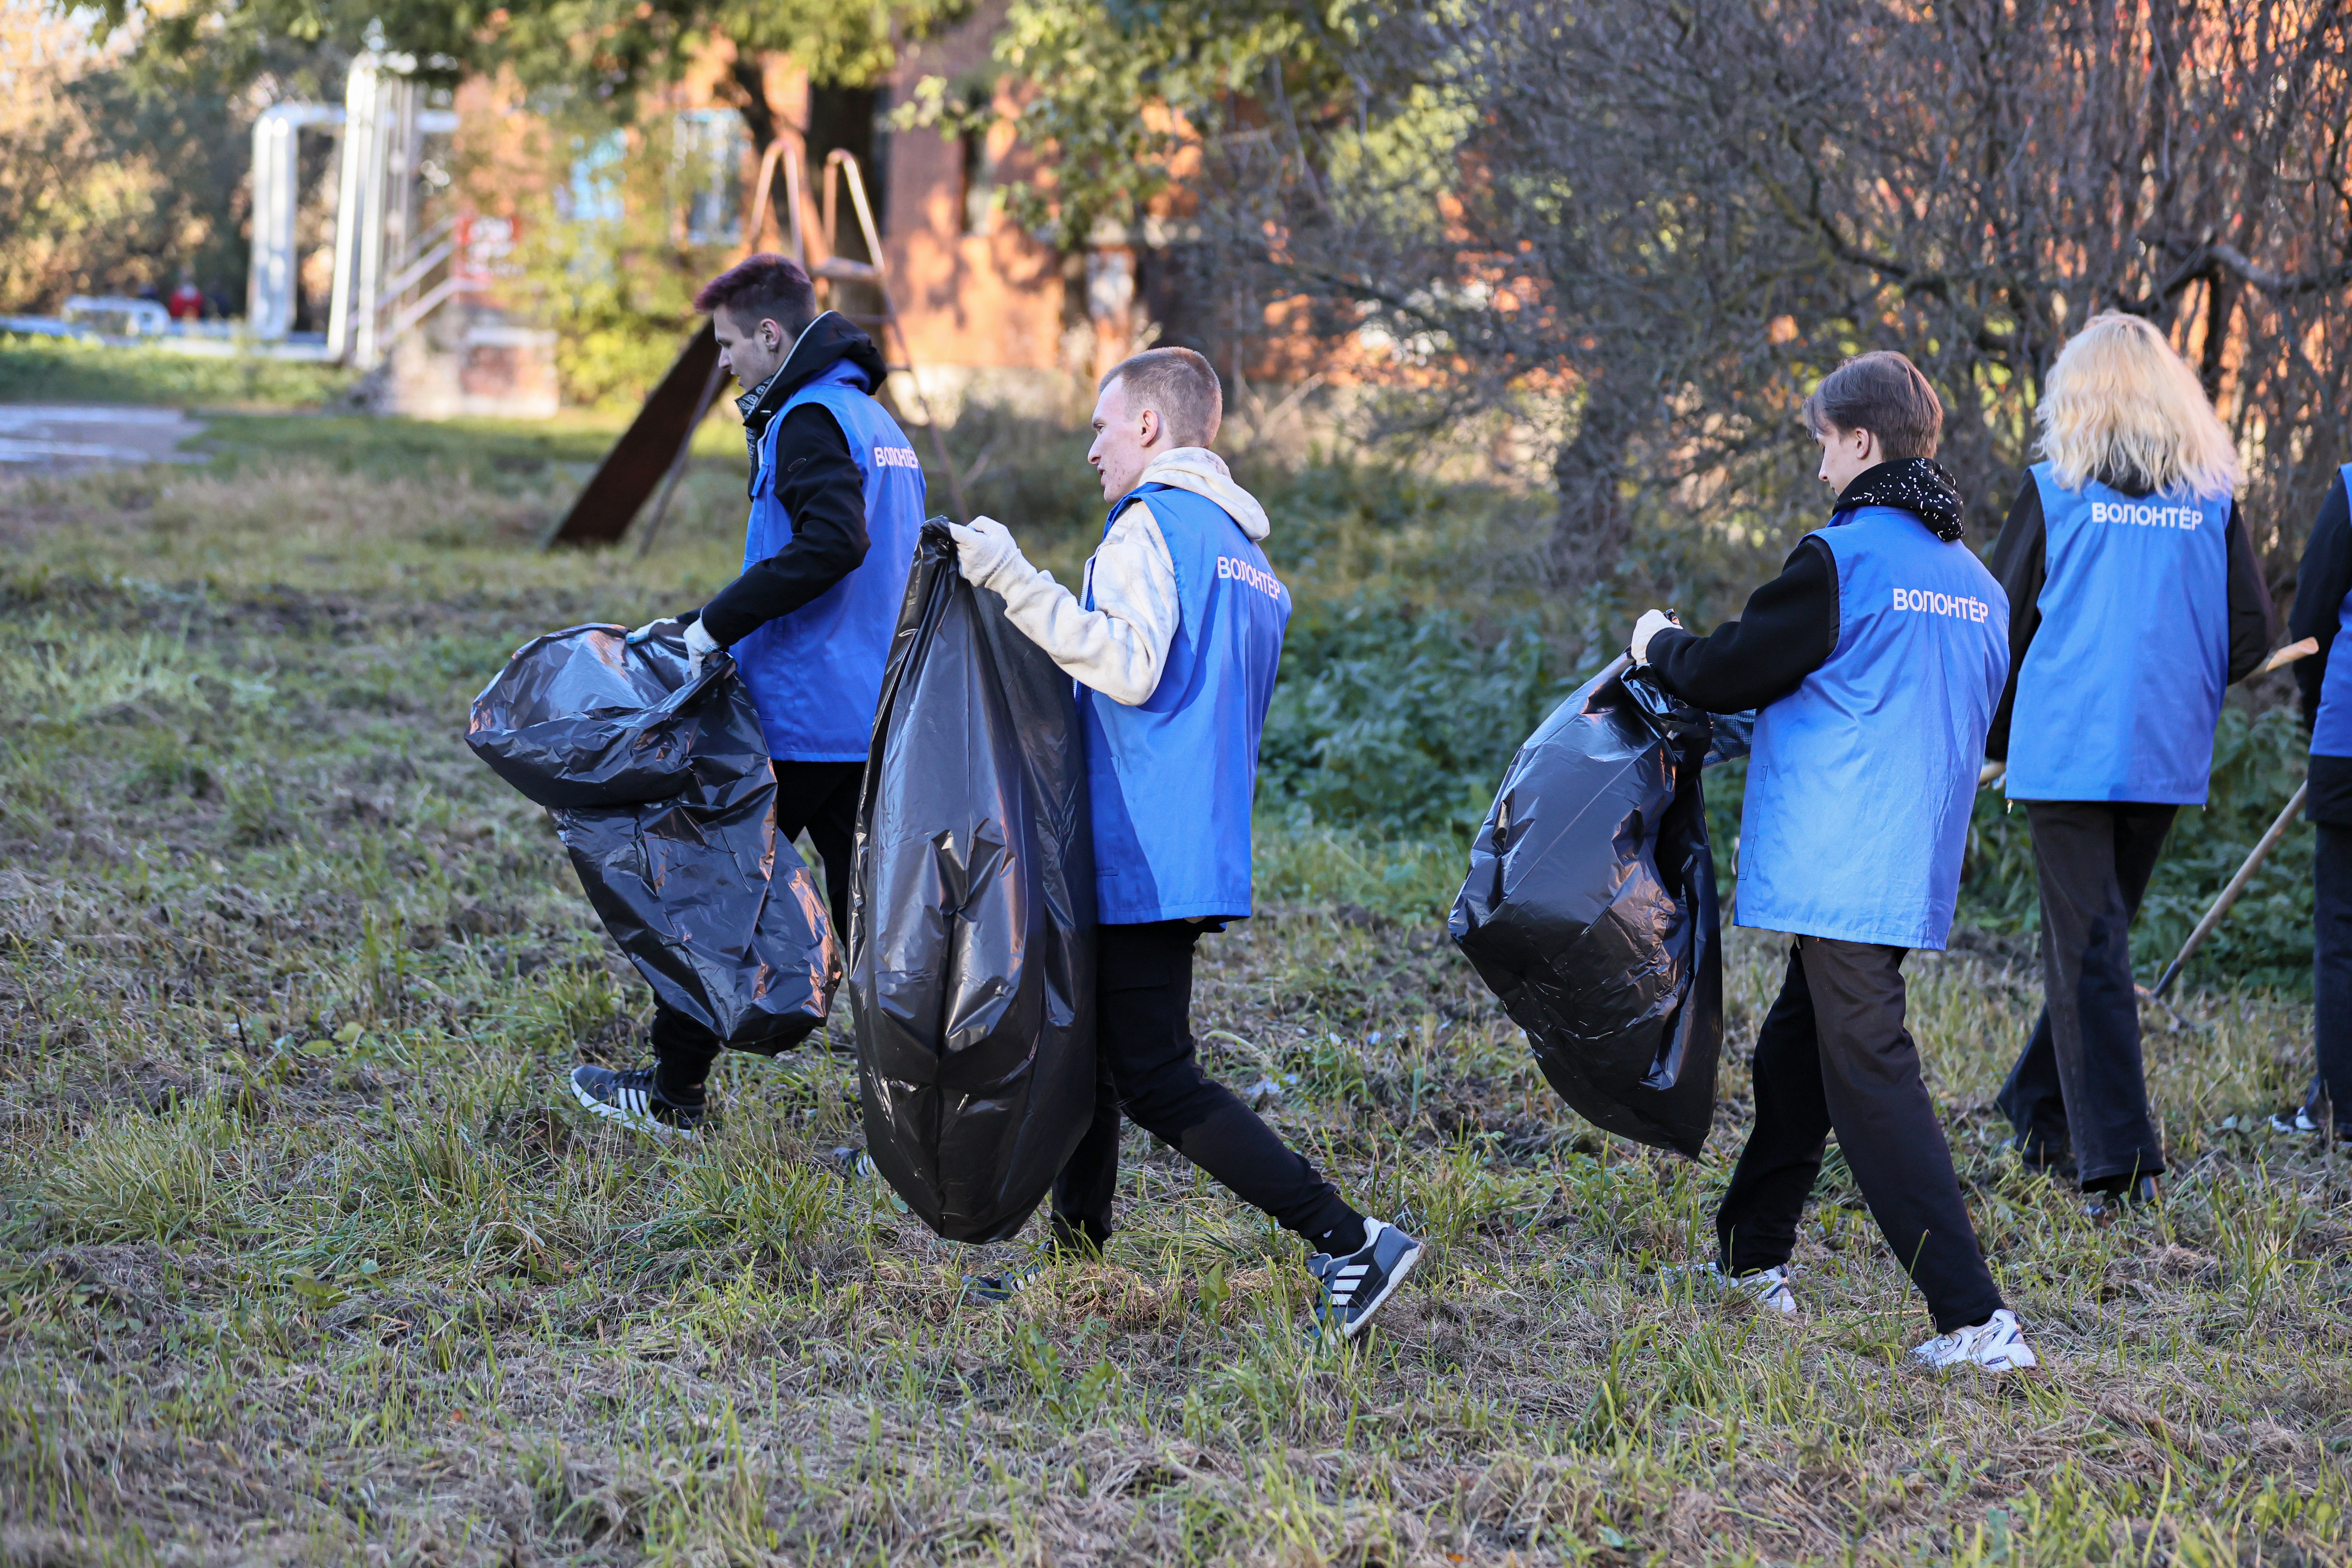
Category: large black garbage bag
[663,792]
[1590,909]
[971,932]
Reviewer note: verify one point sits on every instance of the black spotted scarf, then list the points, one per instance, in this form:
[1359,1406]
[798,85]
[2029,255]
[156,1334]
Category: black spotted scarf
[1921,485]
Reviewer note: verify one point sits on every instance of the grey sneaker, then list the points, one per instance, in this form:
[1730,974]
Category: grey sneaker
[1066,1240]
[1997,1344]
[852,1165]
[1352,1289]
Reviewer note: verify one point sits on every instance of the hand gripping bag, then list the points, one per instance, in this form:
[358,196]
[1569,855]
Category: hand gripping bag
[1590,909]
[663,792]
[972,928]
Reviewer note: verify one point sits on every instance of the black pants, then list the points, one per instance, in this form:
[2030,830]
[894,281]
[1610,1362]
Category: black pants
[2079,1094]
[1143,1035]
[822,799]
[1835,1056]
[2331,976]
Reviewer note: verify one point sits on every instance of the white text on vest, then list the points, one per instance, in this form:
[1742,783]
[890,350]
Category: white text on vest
[2138,516]
[1928,601]
[1265,582]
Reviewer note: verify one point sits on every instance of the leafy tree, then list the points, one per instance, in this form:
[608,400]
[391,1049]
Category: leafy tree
[118,168]
[1121,94]
[1652,224]
[603,51]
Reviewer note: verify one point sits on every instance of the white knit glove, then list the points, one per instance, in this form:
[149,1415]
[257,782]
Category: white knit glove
[983,549]
[1651,623]
[699,646]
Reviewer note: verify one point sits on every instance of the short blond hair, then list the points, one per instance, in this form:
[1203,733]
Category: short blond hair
[1179,385]
[2121,403]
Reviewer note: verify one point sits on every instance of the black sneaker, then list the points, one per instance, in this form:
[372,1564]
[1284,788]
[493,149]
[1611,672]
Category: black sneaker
[1070,1241]
[2107,1206]
[999,1288]
[632,1100]
[2299,1122]
[2053,1159]
[852,1165]
[1352,1289]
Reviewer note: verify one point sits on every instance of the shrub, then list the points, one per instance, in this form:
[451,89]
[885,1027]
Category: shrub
[1395,719]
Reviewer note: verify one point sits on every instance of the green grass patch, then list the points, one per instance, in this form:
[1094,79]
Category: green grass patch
[305,1254]
[63,370]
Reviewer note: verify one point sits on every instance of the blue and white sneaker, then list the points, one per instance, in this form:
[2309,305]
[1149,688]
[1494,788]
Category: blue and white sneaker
[2299,1122]
[1352,1289]
[1997,1344]
[1767,1288]
[632,1100]
[1004,1286]
[1066,1241]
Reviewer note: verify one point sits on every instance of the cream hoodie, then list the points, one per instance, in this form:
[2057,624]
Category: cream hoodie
[1120,646]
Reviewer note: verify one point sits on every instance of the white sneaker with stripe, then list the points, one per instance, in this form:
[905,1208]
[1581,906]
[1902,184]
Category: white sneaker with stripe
[1997,1344]
[1767,1288]
[632,1100]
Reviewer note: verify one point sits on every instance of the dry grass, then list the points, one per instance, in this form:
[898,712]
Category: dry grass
[306,1259]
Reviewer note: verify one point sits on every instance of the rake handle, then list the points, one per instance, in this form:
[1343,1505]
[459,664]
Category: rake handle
[2230,894]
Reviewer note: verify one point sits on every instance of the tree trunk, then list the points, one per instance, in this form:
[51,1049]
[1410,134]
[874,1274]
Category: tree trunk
[1589,531]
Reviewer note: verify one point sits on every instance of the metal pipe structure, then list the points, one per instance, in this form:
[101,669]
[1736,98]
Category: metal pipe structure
[384,127]
[274,280]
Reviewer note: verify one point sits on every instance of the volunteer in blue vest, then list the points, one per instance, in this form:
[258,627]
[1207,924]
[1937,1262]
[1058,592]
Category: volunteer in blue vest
[1173,641]
[2323,603]
[837,501]
[2136,598]
[1873,661]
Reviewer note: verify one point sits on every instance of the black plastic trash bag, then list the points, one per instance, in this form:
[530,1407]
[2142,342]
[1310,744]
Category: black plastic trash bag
[663,792]
[1590,909]
[972,946]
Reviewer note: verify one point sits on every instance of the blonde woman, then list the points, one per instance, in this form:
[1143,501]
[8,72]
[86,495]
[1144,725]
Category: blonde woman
[2134,597]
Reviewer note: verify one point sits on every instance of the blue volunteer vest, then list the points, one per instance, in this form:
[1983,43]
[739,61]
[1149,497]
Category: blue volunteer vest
[2331,727]
[1172,778]
[1861,780]
[816,675]
[2122,683]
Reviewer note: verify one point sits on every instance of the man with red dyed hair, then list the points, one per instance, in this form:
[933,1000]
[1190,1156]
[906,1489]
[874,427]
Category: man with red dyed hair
[837,501]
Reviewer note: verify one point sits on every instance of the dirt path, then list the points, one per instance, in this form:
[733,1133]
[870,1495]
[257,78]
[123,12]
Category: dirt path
[61,438]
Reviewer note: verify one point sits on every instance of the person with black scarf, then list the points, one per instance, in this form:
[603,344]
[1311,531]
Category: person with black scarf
[1873,661]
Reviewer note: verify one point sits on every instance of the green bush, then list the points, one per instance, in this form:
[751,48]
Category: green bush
[1397,721]
[2258,760]
[2266,941]
[1392,717]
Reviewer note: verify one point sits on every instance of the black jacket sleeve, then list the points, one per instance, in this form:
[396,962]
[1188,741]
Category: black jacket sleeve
[822,491]
[2252,623]
[1788,630]
[2320,585]
[2019,557]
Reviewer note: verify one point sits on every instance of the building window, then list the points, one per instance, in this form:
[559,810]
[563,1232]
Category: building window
[707,149]
[592,194]
[978,179]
